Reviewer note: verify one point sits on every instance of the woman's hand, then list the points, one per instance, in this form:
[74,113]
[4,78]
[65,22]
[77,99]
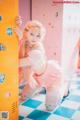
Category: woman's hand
[18,21]
[17,29]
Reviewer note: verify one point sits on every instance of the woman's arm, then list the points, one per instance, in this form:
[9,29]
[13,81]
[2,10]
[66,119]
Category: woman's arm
[18,33]
[17,29]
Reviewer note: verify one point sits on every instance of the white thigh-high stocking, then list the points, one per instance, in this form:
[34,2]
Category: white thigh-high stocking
[53,99]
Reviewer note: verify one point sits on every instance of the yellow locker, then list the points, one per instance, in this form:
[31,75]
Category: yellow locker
[8,61]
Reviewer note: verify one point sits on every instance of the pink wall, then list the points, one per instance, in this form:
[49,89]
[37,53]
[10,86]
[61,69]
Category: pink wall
[24,10]
[51,16]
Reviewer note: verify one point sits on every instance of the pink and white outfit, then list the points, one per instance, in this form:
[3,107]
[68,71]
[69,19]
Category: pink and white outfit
[52,78]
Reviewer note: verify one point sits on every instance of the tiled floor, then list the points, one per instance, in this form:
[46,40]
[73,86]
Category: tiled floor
[69,109]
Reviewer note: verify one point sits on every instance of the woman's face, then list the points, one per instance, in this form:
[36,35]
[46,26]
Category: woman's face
[33,34]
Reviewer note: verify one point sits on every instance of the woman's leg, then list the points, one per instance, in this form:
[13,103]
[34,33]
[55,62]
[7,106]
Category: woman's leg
[28,92]
[21,75]
[53,98]
[66,88]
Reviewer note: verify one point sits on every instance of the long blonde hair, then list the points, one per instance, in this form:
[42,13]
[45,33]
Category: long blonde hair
[35,23]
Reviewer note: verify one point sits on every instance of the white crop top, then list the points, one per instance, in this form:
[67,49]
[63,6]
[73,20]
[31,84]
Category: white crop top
[36,59]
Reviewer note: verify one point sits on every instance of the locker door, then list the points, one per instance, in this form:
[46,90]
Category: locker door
[8,61]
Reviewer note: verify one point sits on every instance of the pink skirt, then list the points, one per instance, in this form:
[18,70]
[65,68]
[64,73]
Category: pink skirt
[51,76]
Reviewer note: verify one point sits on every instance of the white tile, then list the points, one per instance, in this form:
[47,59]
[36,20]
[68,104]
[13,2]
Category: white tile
[40,97]
[27,119]
[73,87]
[70,104]
[76,116]
[56,117]
[76,92]
[42,107]
[24,111]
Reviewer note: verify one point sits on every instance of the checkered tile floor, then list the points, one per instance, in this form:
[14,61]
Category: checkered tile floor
[69,109]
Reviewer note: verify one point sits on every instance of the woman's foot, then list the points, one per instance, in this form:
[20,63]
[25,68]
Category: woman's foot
[26,93]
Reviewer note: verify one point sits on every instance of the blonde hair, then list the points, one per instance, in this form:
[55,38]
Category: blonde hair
[35,23]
